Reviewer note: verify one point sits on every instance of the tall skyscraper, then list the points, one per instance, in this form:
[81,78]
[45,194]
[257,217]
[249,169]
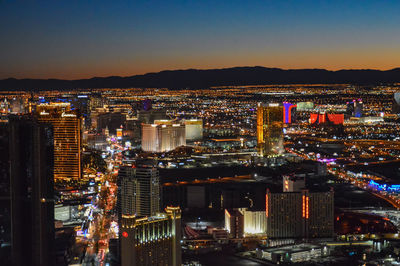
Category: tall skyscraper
[139,191]
[67,126]
[269,129]
[32,198]
[162,136]
[147,236]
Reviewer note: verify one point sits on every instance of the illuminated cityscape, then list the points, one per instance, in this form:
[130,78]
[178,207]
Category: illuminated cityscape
[324,178]
[199,133]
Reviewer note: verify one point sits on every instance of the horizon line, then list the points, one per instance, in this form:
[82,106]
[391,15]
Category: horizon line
[203,69]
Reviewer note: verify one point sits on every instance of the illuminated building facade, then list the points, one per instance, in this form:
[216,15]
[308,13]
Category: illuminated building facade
[234,223]
[255,222]
[289,113]
[325,118]
[139,191]
[67,125]
[162,136]
[194,129]
[270,129]
[242,222]
[299,214]
[32,198]
[151,240]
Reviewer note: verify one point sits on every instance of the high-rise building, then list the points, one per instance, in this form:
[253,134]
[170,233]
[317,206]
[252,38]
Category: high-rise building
[32,198]
[147,115]
[194,129]
[162,136]
[147,237]
[139,191]
[269,129]
[289,113]
[299,214]
[151,240]
[81,102]
[67,125]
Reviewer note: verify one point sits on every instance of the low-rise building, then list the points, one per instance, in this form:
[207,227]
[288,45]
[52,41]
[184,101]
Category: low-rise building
[293,253]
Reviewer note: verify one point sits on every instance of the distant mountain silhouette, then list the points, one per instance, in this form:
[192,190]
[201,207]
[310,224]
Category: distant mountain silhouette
[193,78]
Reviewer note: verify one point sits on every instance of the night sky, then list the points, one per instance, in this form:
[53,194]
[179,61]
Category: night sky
[79,39]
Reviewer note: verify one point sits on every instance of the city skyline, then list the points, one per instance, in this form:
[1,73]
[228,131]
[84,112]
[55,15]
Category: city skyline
[82,40]
[183,132]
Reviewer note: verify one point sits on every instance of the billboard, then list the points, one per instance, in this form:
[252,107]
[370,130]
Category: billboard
[305,106]
[119,133]
[62,213]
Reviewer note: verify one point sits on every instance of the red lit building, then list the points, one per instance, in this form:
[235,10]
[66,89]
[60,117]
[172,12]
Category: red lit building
[289,111]
[324,118]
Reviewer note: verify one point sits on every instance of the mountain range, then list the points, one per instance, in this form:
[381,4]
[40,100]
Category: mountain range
[195,78]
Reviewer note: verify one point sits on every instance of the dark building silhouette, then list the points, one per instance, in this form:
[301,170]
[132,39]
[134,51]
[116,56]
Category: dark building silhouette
[32,198]
[149,116]
[396,103]
[5,202]
[139,191]
[112,121]
[147,105]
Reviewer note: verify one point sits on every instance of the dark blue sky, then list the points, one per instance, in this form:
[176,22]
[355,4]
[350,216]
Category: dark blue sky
[77,39]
